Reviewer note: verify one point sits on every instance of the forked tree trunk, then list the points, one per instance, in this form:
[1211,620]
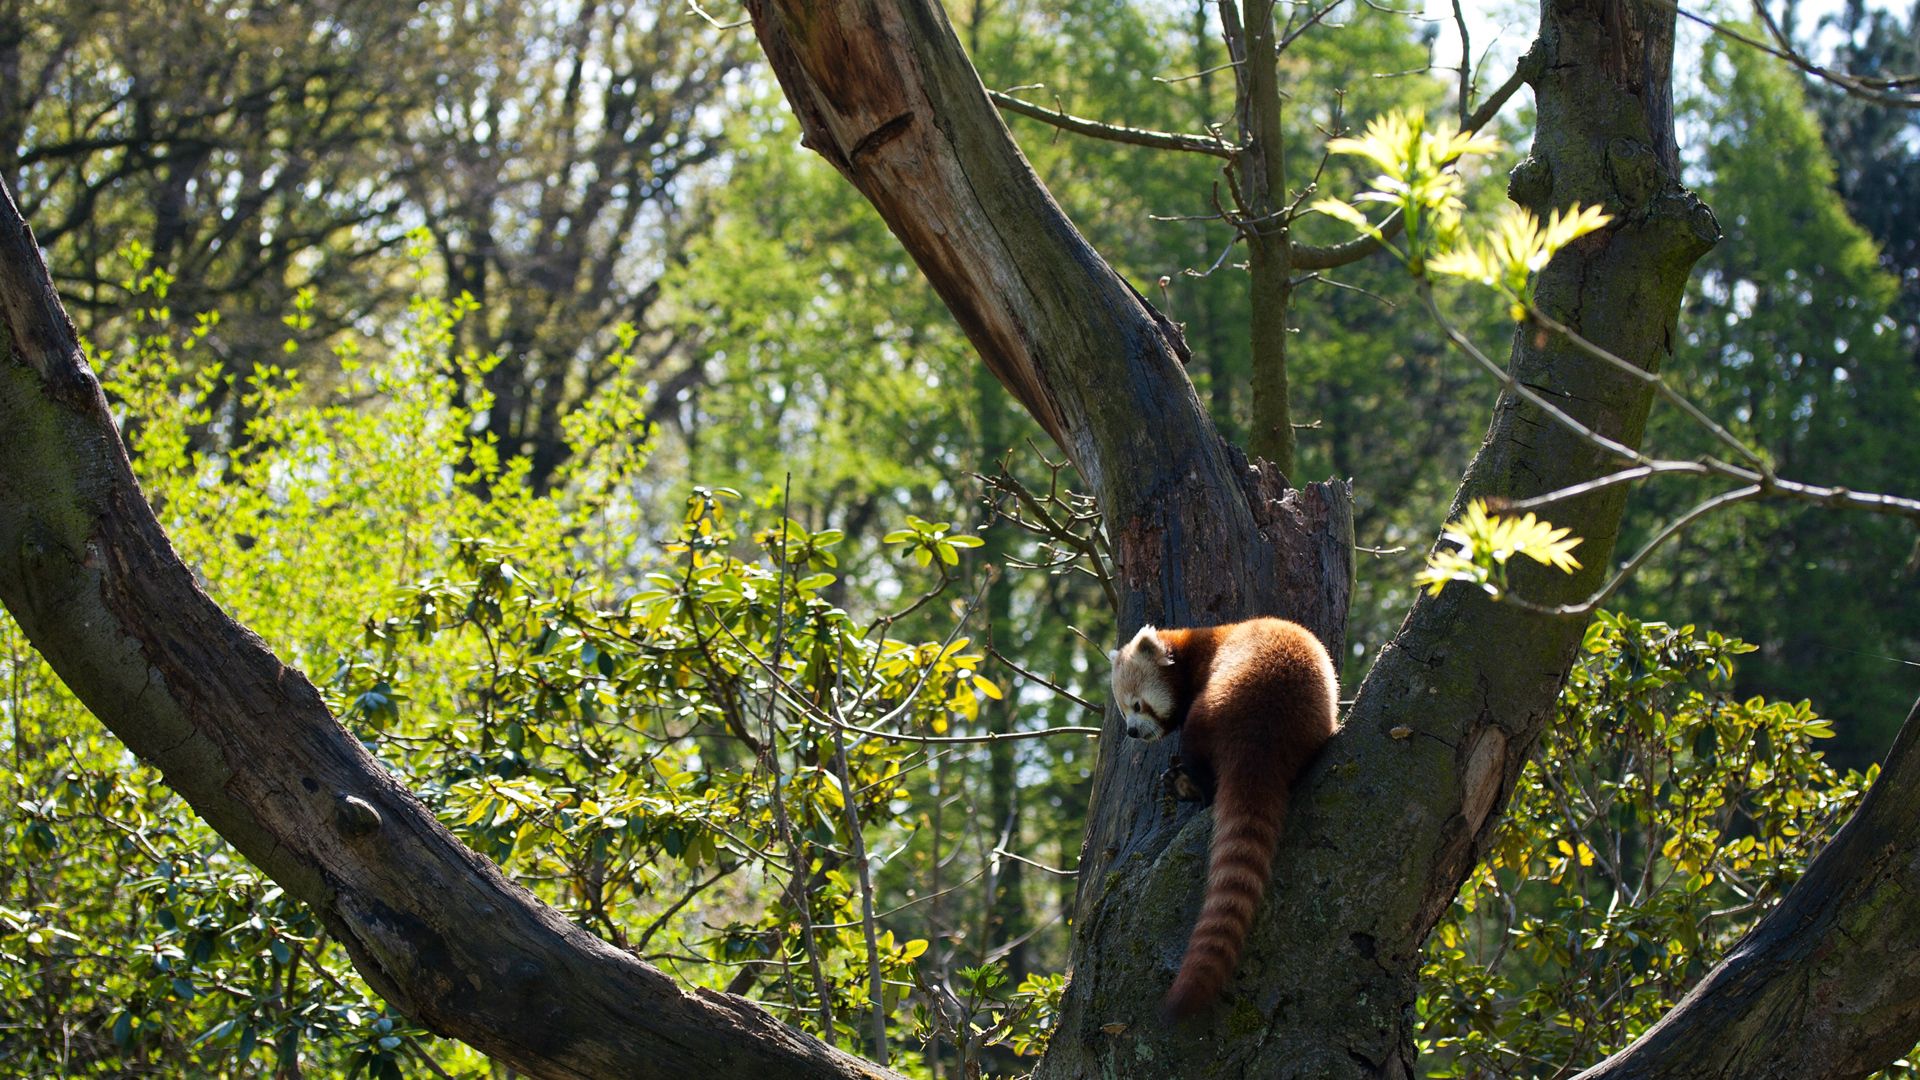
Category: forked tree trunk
[1388,826]
[1397,810]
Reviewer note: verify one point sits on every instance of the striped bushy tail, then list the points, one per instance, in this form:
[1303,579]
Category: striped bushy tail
[1245,832]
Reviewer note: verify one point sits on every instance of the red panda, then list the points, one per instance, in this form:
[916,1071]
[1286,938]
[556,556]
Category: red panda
[1254,701]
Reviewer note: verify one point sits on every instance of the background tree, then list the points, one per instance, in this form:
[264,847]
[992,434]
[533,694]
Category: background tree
[1793,338]
[249,147]
[552,176]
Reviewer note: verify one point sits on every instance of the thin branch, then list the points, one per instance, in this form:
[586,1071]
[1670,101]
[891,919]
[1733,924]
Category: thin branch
[1080,125]
[1624,476]
[988,737]
[713,22]
[1660,386]
[876,989]
[1758,483]
[1728,498]
[1042,680]
[1466,69]
[975,876]
[1023,860]
[1316,276]
[1522,390]
[1312,20]
[654,927]
[1208,71]
[1877,89]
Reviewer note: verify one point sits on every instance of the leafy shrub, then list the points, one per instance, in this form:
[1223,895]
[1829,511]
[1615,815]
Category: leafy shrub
[1657,824]
[670,729]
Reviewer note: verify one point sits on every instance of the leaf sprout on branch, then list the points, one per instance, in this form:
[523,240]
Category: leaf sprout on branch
[1487,542]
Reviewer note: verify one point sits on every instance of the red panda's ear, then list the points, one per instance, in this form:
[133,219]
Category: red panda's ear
[1150,645]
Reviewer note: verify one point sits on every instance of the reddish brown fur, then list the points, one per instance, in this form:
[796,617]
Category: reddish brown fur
[1259,700]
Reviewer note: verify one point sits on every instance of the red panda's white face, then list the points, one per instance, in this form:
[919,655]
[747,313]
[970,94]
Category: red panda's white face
[1141,687]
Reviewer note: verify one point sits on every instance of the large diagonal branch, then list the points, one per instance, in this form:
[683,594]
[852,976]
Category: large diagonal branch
[1828,985]
[432,926]
[885,93]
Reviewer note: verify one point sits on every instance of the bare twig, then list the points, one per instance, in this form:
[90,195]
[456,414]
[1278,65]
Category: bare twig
[1624,476]
[1758,483]
[1522,390]
[1466,69]
[935,895]
[1080,125]
[1065,520]
[1312,20]
[1002,852]
[1585,607]
[876,989]
[987,737]
[1316,276]
[654,927]
[1196,74]
[713,22]
[1042,680]
[1880,89]
[1660,385]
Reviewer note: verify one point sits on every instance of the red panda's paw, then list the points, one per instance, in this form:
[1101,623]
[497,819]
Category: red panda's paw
[1178,785]
[1186,790]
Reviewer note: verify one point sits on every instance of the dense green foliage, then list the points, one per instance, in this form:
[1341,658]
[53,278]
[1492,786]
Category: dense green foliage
[627,724]
[593,446]
[1660,816]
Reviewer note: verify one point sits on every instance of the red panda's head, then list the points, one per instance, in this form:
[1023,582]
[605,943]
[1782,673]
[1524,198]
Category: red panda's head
[1142,686]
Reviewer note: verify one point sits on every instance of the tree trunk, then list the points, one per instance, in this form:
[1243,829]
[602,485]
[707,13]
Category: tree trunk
[1260,175]
[433,927]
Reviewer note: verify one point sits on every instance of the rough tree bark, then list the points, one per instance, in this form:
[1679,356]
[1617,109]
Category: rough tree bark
[432,926]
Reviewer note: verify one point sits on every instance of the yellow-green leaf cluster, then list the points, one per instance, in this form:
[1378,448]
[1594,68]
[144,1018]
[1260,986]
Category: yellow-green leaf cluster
[1516,248]
[1417,178]
[1484,542]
